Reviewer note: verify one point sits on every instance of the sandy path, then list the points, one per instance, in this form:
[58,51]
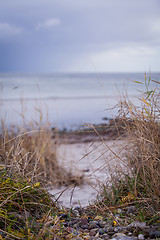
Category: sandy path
[96,161]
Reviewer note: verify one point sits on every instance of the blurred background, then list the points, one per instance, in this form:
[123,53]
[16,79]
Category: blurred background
[69,60]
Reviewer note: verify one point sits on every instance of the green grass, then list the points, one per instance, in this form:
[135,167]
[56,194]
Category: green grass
[23,207]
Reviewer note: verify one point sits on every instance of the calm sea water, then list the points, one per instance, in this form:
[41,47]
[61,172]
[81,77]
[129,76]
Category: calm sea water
[66,100]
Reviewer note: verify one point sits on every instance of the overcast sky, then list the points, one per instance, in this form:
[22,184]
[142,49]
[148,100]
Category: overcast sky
[44,36]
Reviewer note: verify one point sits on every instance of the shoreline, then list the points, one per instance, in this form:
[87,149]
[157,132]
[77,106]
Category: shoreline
[92,160]
[111,130]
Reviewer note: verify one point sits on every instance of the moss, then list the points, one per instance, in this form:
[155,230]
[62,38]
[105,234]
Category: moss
[23,206]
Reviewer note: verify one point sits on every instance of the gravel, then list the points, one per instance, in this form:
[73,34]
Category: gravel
[85,226]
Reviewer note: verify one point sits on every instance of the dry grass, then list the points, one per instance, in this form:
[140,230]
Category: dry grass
[141,185]
[143,130]
[32,155]
[28,162]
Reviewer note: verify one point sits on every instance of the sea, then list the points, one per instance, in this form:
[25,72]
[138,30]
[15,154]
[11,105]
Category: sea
[67,100]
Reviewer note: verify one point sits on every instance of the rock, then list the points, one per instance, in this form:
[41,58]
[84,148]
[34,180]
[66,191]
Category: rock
[141,237]
[75,232]
[147,230]
[85,230]
[97,234]
[105,236]
[69,230]
[154,234]
[84,221]
[65,224]
[119,235]
[102,231]
[77,238]
[120,229]
[85,226]
[111,233]
[105,230]
[76,225]
[111,229]
[79,209]
[95,238]
[124,238]
[93,224]
[103,224]
[76,212]
[73,221]
[136,224]
[92,232]
[131,209]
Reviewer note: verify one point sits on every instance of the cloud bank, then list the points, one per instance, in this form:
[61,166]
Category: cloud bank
[60,36]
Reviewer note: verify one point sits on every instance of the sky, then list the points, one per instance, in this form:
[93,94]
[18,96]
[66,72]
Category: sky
[47,36]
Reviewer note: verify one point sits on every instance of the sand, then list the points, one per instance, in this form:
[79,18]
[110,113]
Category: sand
[97,161]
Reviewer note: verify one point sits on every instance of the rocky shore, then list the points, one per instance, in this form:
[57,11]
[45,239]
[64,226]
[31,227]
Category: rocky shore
[81,224]
[110,130]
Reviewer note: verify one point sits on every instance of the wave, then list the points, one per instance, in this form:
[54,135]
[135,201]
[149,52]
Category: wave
[56,98]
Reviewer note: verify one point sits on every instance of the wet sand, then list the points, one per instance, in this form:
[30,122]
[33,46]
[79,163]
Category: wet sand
[97,161]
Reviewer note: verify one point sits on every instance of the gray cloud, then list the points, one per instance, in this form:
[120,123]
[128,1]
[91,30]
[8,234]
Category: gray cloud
[48,24]
[46,34]
[7,30]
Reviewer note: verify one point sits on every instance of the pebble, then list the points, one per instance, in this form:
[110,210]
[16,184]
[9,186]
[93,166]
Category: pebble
[141,237]
[124,238]
[105,237]
[93,224]
[103,224]
[92,232]
[85,227]
[120,229]
[136,224]
[103,230]
[154,234]
[119,235]
[77,238]
[131,209]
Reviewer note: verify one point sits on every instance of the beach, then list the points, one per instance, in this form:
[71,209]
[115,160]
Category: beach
[96,160]
[97,180]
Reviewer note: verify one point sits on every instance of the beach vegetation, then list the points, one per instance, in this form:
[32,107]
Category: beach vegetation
[29,164]
[28,168]
[139,183]
[31,152]
[23,207]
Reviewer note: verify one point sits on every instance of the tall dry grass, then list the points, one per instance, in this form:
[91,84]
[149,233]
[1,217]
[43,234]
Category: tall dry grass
[141,184]
[32,154]
[28,163]
[142,125]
